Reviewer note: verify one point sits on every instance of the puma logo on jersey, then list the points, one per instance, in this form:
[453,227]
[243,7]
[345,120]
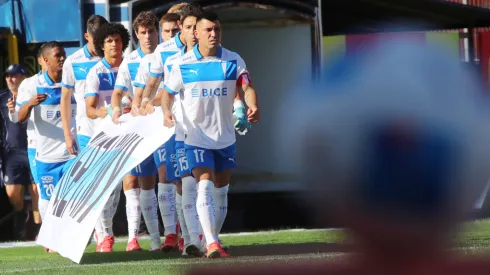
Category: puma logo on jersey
[83,69]
[194,71]
[106,80]
[231,159]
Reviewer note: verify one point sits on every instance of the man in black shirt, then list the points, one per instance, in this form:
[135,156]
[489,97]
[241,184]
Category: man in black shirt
[17,176]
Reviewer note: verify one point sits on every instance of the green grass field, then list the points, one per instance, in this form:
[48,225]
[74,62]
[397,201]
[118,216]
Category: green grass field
[274,246]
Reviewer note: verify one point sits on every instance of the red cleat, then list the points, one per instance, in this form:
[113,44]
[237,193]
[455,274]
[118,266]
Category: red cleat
[214,250]
[133,245]
[181,245]
[106,244]
[171,243]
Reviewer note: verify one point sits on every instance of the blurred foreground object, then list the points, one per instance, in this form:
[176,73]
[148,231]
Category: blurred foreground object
[395,141]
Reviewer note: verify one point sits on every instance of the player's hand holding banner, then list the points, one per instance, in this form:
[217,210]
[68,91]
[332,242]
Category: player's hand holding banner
[86,186]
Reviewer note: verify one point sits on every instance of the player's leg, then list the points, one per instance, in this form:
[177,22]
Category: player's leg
[49,175]
[166,197]
[189,198]
[202,162]
[133,211]
[146,173]
[31,155]
[35,201]
[225,163]
[180,218]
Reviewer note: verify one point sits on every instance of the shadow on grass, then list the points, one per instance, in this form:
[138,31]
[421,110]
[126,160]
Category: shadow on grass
[235,251]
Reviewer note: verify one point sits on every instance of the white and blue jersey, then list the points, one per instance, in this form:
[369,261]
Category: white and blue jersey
[162,52]
[31,132]
[125,81]
[208,87]
[128,70]
[101,81]
[75,71]
[52,158]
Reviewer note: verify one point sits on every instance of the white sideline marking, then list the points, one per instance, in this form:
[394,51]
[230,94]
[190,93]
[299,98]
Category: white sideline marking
[124,239]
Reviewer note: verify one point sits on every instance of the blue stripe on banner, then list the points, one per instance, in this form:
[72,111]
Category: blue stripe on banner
[81,69]
[119,14]
[107,81]
[53,95]
[208,71]
[133,70]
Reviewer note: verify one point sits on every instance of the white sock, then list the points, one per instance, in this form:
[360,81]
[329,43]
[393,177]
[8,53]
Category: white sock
[43,207]
[149,209]
[180,213]
[189,198]
[99,229]
[106,216]
[133,212]
[115,202]
[221,201]
[205,209]
[166,201]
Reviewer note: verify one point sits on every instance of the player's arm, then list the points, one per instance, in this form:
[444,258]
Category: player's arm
[92,97]
[245,87]
[67,83]
[156,74]
[27,101]
[122,85]
[13,104]
[173,85]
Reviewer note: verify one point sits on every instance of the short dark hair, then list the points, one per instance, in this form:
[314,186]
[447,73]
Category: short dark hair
[107,30]
[169,17]
[191,10]
[94,22]
[40,50]
[208,15]
[145,19]
[50,45]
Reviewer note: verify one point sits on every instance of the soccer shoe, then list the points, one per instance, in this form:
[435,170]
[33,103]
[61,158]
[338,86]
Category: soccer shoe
[192,250]
[225,247]
[216,251]
[171,242]
[133,245]
[106,244]
[181,245]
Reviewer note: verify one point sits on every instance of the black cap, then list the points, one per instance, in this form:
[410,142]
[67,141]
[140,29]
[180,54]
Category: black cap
[16,69]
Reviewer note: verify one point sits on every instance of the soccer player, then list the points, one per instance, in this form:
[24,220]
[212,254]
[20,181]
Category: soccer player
[110,42]
[167,176]
[73,81]
[208,77]
[43,99]
[146,28]
[169,25]
[31,135]
[14,151]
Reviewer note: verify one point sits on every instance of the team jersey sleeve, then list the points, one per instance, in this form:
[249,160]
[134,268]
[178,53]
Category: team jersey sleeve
[68,76]
[27,90]
[243,76]
[156,67]
[174,83]
[143,73]
[123,80]
[24,85]
[92,84]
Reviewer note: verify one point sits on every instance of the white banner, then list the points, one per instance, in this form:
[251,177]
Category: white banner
[86,186]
